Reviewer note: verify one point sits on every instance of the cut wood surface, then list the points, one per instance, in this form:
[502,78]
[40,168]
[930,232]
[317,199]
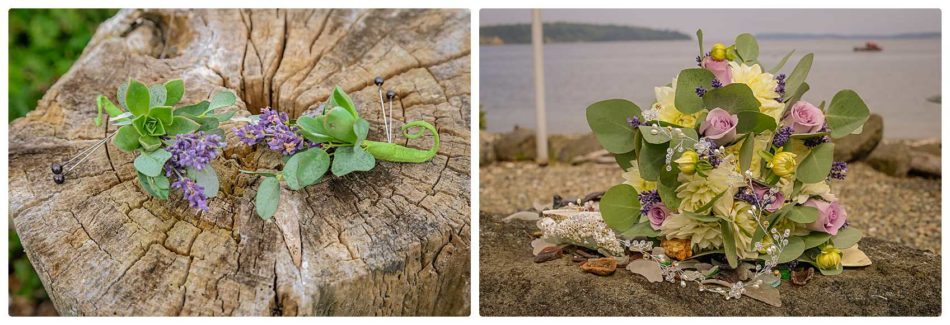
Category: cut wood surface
[391,241]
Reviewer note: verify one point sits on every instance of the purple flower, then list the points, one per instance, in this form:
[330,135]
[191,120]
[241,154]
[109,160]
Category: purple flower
[700,91]
[831,216]
[748,196]
[273,128]
[720,69]
[194,150]
[647,200]
[194,193]
[716,84]
[780,88]
[771,199]
[782,136]
[633,121]
[657,215]
[839,170]
[804,117]
[720,126]
[815,141]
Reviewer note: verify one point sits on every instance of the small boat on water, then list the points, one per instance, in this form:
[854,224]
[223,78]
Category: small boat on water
[869,47]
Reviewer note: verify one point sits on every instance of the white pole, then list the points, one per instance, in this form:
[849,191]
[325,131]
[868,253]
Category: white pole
[537,43]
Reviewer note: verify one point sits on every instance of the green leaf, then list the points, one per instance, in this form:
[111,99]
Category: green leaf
[815,238]
[174,90]
[193,109]
[686,100]
[126,138]
[624,159]
[306,168]
[341,99]
[121,93]
[221,98]
[798,75]
[620,207]
[162,113]
[207,178]
[699,38]
[754,122]
[312,129]
[137,98]
[729,243]
[157,95]
[746,152]
[339,124]
[268,197]
[846,237]
[797,95]
[345,161]
[816,166]
[794,249]
[846,113]
[150,143]
[155,186]
[733,98]
[652,160]
[747,47]
[835,271]
[182,125]
[223,116]
[105,104]
[361,129]
[662,136]
[608,120]
[642,229]
[781,64]
[802,214]
[667,184]
[151,163]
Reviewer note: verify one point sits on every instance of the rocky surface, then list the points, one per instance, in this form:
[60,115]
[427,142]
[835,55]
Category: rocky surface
[858,146]
[901,281]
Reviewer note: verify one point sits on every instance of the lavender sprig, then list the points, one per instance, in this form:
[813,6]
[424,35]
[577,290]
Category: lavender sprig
[274,129]
[192,192]
[782,136]
[839,170]
[647,200]
[194,150]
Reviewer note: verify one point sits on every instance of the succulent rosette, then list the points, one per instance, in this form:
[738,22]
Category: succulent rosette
[174,145]
[734,161]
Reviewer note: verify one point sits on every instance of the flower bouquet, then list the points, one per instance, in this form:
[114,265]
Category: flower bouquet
[729,171]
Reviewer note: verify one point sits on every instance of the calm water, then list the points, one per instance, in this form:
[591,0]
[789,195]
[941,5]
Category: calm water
[894,83]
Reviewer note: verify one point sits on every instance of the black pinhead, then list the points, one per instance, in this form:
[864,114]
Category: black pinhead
[59,178]
[57,168]
[378,81]
[391,94]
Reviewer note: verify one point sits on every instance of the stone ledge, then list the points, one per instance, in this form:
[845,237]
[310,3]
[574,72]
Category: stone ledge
[902,282]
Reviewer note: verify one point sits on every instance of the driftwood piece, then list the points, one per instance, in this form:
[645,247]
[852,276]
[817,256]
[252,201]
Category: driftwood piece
[392,241]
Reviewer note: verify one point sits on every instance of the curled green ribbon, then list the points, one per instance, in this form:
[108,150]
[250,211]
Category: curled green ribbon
[397,153]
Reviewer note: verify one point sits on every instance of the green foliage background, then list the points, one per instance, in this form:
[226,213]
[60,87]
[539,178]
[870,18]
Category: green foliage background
[44,43]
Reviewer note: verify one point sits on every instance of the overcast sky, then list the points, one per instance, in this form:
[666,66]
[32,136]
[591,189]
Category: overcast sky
[736,21]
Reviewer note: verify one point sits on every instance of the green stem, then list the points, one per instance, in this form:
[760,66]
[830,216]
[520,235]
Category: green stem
[397,153]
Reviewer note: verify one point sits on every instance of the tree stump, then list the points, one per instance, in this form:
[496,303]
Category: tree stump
[392,241]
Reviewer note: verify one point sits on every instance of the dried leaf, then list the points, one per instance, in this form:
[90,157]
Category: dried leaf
[854,257]
[764,293]
[540,244]
[647,268]
[523,216]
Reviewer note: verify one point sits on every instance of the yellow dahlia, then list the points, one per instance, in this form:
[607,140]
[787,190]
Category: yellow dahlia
[696,190]
[763,86]
[703,235]
[632,178]
[743,226]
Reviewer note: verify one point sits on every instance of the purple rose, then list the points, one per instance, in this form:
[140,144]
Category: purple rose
[804,118]
[775,204]
[720,126]
[657,215]
[720,69]
[831,216]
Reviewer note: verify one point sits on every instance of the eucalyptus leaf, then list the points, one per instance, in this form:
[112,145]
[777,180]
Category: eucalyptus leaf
[846,237]
[207,178]
[794,249]
[846,112]
[338,123]
[151,163]
[699,38]
[652,159]
[729,243]
[306,168]
[781,63]
[799,74]
[194,109]
[815,238]
[221,98]
[312,129]
[223,116]
[816,166]
[345,161]
[747,47]
[661,136]
[642,229]
[733,98]
[268,197]
[174,91]
[797,95]
[608,120]
[754,122]
[802,214]
[746,152]
[625,159]
[620,207]
[686,100]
